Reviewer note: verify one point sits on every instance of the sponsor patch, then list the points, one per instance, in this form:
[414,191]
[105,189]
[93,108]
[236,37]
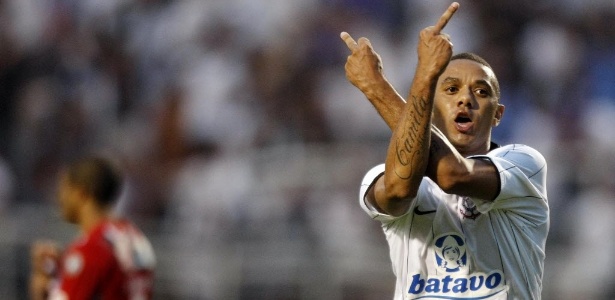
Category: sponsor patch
[455,280]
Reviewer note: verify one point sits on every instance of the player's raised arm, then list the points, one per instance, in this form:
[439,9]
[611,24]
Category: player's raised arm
[408,152]
[364,70]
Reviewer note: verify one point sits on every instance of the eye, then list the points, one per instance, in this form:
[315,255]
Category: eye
[451,89]
[482,92]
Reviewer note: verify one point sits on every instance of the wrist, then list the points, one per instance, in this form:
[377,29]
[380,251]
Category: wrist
[377,88]
[428,71]
[426,79]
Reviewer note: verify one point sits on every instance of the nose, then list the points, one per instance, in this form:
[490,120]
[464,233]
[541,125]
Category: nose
[466,98]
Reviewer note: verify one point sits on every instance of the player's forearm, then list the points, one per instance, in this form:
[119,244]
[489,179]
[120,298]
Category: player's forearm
[408,151]
[458,175]
[444,160]
[388,103]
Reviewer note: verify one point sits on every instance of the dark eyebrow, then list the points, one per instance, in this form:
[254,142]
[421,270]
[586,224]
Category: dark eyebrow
[485,83]
[454,80]
[450,80]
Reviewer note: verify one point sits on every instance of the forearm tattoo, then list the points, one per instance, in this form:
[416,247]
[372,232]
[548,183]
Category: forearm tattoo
[411,143]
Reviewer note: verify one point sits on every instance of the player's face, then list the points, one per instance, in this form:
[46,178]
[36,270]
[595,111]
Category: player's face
[68,200]
[466,106]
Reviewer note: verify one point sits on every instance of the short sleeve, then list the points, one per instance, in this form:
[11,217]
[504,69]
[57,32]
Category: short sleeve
[83,268]
[368,180]
[522,171]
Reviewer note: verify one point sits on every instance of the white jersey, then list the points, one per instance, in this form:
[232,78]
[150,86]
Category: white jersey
[452,247]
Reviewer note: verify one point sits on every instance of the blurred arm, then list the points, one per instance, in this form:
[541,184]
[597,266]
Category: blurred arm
[44,261]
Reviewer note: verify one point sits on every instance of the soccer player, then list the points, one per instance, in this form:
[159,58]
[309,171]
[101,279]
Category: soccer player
[111,260]
[463,217]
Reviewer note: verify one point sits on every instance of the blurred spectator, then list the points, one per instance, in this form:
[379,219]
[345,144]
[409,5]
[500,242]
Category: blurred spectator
[111,260]
[7,186]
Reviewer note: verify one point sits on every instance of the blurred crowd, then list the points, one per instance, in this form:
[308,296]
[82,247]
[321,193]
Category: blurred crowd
[244,144]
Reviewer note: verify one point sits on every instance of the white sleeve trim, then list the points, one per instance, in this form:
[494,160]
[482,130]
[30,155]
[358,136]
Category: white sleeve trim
[368,181]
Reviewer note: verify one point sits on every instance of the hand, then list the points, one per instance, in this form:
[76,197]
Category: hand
[364,65]
[39,286]
[435,48]
[45,256]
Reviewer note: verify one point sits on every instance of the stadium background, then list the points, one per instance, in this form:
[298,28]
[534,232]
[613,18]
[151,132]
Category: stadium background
[244,144]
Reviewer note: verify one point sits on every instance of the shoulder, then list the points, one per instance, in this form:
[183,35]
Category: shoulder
[518,153]
[521,156]
[93,242]
[87,255]
[121,229]
[523,170]
[131,247]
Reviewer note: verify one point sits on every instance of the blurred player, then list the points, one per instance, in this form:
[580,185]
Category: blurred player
[464,218]
[111,260]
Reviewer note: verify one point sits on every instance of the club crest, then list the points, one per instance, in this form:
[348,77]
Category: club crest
[468,209]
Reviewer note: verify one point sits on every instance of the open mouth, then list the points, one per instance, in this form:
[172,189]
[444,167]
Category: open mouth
[463,122]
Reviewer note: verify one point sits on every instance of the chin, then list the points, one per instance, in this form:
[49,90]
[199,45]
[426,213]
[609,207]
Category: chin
[461,140]
[464,145]
[69,218]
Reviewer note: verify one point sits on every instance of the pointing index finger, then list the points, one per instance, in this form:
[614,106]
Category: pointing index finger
[350,42]
[446,17]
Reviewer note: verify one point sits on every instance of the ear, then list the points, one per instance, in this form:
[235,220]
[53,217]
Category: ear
[499,112]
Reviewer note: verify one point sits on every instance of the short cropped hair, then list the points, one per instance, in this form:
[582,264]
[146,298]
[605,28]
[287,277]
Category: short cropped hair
[476,58]
[98,177]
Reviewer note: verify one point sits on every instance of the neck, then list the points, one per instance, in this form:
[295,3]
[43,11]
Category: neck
[481,150]
[91,215]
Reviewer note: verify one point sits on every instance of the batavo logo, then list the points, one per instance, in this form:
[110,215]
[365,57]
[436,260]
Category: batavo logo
[478,285]
[458,283]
